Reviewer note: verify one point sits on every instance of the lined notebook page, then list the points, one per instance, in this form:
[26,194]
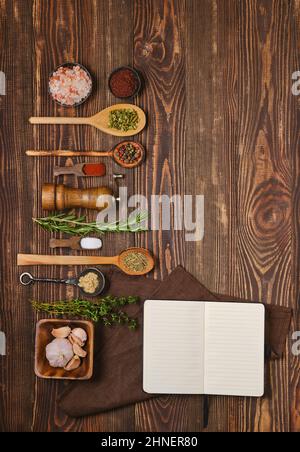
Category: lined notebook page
[234,349]
[173,347]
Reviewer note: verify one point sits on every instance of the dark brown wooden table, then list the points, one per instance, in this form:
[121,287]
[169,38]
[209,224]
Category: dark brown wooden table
[222,122]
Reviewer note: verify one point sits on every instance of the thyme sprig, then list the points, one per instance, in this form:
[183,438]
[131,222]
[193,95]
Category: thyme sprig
[105,310]
[73,225]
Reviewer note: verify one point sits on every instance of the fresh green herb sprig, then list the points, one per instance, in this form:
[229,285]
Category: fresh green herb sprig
[107,310]
[124,119]
[73,225]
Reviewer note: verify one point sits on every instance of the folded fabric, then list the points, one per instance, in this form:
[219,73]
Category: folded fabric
[118,367]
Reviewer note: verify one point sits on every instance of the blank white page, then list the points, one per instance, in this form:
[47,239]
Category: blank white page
[234,349]
[173,347]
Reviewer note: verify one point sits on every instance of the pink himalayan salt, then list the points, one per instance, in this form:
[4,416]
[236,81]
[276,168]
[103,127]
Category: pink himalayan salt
[70,85]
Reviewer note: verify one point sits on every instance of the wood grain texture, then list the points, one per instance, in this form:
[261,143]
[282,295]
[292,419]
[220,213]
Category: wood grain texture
[222,122]
[16,317]
[159,56]
[294,373]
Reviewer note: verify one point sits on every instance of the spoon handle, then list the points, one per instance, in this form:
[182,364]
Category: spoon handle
[72,282]
[57,153]
[73,243]
[58,120]
[35,259]
[62,170]
[26,279]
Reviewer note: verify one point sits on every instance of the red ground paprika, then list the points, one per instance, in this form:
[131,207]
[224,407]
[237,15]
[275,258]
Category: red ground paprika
[123,83]
[94,169]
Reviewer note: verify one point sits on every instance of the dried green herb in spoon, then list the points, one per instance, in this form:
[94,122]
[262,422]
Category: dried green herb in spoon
[106,310]
[136,262]
[124,119]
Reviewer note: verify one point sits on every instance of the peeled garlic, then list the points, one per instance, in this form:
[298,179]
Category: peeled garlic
[59,352]
[61,332]
[73,364]
[75,340]
[79,351]
[80,334]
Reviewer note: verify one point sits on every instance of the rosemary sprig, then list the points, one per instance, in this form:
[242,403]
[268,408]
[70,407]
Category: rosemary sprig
[105,310]
[72,225]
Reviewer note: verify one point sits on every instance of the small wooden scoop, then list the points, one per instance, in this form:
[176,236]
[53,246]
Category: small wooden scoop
[99,120]
[74,243]
[99,170]
[120,261]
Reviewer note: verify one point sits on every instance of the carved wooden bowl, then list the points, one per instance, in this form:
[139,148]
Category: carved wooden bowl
[43,337]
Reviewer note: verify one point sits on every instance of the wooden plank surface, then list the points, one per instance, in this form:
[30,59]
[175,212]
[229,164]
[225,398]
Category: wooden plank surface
[222,123]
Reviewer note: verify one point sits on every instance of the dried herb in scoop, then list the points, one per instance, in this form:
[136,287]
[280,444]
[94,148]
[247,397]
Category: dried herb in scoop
[124,119]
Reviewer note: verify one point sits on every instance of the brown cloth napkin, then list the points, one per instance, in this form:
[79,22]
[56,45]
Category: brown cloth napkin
[118,368]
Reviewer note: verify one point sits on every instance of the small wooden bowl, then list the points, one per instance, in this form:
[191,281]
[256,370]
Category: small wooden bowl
[137,145]
[137,77]
[71,65]
[43,337]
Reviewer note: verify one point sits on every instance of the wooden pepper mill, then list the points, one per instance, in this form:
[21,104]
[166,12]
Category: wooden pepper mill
[61,197]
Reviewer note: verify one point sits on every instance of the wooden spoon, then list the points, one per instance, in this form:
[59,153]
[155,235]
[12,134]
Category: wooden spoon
[112,153]
[118,261]
[99,120]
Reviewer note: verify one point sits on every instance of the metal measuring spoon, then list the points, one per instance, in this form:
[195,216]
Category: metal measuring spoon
[27,279]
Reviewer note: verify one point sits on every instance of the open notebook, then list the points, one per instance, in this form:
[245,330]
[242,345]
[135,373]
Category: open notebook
[204,348]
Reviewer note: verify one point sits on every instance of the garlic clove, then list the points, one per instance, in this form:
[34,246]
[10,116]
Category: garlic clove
[75,340]
[80,334]
[73,364]
[79,351]
[61,332]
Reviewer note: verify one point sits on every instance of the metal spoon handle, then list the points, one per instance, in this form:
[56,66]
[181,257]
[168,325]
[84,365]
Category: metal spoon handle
[58,281]
[27,278]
